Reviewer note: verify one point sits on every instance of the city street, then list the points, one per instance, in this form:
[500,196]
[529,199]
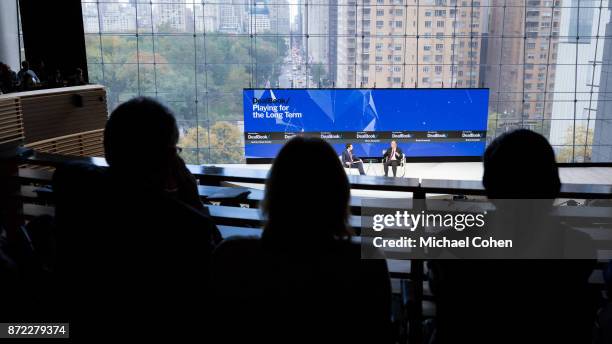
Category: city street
[293,71]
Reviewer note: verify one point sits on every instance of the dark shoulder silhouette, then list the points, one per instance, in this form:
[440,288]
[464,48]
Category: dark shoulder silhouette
[304,280]
[135,231]
[512,301]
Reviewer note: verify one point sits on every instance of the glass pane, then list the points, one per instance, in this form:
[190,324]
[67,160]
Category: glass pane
[547,63]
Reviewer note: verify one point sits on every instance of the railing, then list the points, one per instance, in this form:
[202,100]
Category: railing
[212,175]
[84,144]
[11,122]
[233,219]
[57,112]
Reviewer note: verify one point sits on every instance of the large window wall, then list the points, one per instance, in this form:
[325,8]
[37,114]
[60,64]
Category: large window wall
[11,44]
[547,62]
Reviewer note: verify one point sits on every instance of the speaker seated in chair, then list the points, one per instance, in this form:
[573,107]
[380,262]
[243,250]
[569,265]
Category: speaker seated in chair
[393,157]
[350,161]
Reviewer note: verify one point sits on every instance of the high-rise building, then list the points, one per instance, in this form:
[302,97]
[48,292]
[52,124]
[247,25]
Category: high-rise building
[190,19]
[279,17]
[207,20]
[317,28]
[602,140]
[576,89]
[171,14]
[144,17]
[258,19]
[347,43]
[90,17]
[297,27]
[520,72]
[389,44]
[117,17]
[230,17]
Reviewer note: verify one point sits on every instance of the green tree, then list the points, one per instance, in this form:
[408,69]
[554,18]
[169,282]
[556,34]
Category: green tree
[223,138]
[578,149]
[200,78]
[492,125]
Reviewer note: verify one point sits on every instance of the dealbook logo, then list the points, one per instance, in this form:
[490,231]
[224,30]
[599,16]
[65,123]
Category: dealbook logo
[277,101]
[256,136]
[365,135]
[330,136]
[400,135]
[436,135]
[470,134]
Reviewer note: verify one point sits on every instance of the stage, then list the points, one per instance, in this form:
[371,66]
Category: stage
[450,171]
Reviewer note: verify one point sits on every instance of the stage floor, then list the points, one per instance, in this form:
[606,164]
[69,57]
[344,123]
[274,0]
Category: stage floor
[470,171]
[454,171]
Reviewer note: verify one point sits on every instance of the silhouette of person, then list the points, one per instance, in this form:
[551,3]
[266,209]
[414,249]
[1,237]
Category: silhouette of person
[303,281]
[133,239]
[603,329]
[515,301]
[77,78]
[27,77]
[8,79]
[57,80]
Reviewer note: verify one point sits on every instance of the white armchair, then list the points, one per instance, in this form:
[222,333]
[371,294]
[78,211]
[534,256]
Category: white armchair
[402,164]
[346,166]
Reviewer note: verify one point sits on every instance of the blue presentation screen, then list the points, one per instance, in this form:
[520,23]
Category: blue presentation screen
[426,123]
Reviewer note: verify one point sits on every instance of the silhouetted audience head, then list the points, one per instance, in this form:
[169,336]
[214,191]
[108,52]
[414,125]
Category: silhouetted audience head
[141,134]
[307,194]
[521,164]
[79,75]
[77,78]
[7,79]
[25,65]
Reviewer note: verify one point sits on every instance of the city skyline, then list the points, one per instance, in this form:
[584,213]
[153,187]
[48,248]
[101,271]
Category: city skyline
[522,52]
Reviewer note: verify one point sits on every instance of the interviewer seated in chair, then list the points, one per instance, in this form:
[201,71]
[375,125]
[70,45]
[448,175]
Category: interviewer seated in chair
[392,157]
[349,160]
